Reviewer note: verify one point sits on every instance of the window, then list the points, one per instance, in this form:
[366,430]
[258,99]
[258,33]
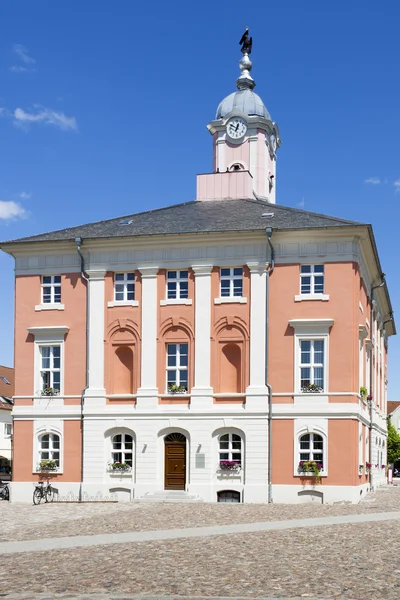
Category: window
[311,447]
[50,367]
[312,279]
[51,289]
[124,287]
[230,447]
[7,429]
[228,496]
[312,365]
[49,447]
[122,449]
[177,285]
[177,367]
[232,282]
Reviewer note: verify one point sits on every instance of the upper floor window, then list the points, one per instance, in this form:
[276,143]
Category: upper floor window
[177,285]
[311,448]
[230,448]
[122,449]
[51,289]
[124,287]
[7,429]
[50,367]
[177,368]
[49,447]
[312,364]
[312,279]
[231,282]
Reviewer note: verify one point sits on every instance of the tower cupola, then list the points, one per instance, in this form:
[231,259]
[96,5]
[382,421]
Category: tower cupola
[245,141]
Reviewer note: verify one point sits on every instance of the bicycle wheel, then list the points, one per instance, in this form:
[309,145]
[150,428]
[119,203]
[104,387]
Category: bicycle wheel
[49,494]
[37,496]
[6,493]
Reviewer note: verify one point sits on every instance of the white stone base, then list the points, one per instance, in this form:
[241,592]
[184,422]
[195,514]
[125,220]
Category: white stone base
[323,494]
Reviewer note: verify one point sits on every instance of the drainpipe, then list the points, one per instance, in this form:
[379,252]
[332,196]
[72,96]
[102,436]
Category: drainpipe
[371,373]
[270,269]
[78,242]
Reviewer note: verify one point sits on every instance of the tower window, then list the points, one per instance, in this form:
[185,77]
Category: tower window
[236,167]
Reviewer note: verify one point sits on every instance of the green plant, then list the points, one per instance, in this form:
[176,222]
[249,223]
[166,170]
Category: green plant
[311,388]
[48,464]
[311,466]
[177,389]
[363,392]
[393,443]
[48,391]
[119,467]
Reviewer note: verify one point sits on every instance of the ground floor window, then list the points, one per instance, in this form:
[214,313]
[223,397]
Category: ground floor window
[311,448]
[228,496]
[122,449]
[230,448]
[49,447]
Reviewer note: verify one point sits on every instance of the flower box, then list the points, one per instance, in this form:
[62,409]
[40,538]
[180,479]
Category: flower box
[50,392]
[119,468]
[177,389]
[47,466]
[229,466]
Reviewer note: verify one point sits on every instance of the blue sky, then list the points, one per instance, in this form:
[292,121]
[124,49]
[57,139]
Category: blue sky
[104,106]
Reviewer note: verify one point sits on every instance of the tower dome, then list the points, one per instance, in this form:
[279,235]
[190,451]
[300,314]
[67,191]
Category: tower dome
[245,101]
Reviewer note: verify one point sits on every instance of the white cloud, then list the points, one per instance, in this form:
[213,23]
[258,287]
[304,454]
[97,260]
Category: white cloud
[23,54]
[397,186]
[25,195]
[47,116]
[373,180]
[19,69]
[11,210]
[301,204]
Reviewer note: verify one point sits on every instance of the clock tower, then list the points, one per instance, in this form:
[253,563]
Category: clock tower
[245,141]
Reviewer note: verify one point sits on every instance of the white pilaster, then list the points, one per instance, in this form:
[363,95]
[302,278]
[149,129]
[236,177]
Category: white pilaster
[148,391]
[201,393]
[96,317]
[220,152]
[257,331]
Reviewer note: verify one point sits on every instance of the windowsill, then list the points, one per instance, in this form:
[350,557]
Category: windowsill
[46,473]
[176,301]
[310,474]
[122,303]
[230,300]
[302,297]
[49,307]
[125,474]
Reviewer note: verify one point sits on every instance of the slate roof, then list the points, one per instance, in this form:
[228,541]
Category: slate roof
[196,217]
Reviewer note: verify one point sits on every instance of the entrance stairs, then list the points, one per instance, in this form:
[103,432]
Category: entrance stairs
[169,496]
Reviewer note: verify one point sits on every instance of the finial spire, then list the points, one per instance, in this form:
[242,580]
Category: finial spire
[245,80]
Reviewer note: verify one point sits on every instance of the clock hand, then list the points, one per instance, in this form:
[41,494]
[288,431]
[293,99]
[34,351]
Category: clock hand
[237,126]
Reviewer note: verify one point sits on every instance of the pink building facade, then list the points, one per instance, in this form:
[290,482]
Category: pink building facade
[210,348]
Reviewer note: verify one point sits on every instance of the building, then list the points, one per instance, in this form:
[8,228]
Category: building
[6,404]
[211,346]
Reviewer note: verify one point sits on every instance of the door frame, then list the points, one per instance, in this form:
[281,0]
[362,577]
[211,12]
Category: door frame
[187,455]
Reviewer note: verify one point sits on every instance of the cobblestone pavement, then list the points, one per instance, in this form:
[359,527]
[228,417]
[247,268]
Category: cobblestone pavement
[349,561]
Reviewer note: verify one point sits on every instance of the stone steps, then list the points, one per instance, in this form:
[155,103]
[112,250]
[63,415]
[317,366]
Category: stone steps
[169,496]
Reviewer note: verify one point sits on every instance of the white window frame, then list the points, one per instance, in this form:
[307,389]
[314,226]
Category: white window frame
[231,278]
[123,451]
[312,365]
[52,285]
[54,427]
[310,329]
[53,304]
[178,279]
[312,295]
[51,369]
[178,366]
[125,281]
[232,452]
[47,336]
[316,427]
[7,430]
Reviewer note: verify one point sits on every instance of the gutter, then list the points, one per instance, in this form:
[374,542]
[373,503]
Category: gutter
[268,232]
[78,242]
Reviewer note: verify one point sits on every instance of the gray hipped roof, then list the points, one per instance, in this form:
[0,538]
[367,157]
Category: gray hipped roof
[196,217]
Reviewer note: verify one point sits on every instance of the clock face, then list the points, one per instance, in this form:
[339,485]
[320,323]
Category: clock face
[236,128]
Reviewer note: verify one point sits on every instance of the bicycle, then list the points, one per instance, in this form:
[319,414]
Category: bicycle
[4,490]
[42,492]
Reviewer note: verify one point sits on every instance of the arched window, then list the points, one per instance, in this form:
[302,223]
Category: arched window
[122,448]
[228,496]
[311,447]
[230,448]
[49,447]
[237,167]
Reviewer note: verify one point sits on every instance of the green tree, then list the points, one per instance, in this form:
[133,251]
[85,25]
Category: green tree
[393,444]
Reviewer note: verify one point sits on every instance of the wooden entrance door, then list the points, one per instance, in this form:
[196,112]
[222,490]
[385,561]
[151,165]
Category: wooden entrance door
[175,462]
